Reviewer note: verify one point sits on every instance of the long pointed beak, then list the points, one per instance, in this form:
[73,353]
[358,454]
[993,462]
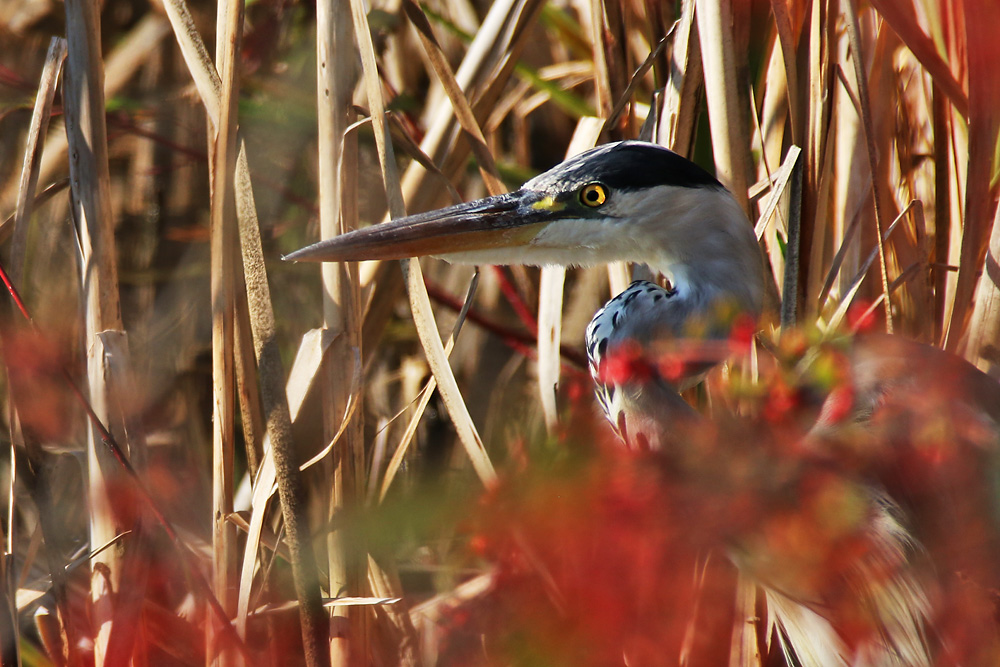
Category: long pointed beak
[507,220]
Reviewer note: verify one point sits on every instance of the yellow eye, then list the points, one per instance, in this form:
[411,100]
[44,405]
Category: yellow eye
[593,195]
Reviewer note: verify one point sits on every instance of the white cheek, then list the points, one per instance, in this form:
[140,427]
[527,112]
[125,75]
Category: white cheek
[580,232]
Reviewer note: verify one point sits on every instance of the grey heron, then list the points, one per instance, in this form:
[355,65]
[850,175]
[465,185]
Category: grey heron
[639,202]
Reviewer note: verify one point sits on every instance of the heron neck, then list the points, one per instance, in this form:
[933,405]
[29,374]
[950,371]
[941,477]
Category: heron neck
[706,286]
[708,250]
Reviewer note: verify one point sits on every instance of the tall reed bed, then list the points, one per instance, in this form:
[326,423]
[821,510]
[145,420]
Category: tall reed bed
[216,457]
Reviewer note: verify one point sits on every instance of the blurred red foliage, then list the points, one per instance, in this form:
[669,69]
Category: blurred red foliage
[605,556]
[34,365]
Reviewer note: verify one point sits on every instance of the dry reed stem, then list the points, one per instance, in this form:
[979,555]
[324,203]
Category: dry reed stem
[725,96]
[623,102]
[745,644]
[852,289]
[383,581]
[279,463]
[424,397]
[247,387]
[609,17]
[602,79]
[90,183]
[984,329]
[306,367]
[62,633]
[984,119]
[423,316]
[779,182]
[460,104]
[199,62]
[346,562]
[551,282]
[550,297]
[121,64]
[281,454]
[774,114]
[858,58]
[923,48]
[33,154]
[42,484]
[786,40]
[850,207]
[679,113]
[223,294]
[9,652]
[803,240]
[130,594]
[485,70]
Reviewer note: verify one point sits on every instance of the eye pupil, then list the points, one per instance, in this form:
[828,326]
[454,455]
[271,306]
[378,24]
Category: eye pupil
[593,194]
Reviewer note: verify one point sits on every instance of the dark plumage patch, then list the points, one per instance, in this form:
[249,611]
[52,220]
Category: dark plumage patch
[637,165]
[627,165]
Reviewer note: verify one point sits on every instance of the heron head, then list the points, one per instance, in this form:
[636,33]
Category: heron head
[624,201]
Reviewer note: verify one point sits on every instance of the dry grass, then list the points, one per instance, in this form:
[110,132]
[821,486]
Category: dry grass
[861,136]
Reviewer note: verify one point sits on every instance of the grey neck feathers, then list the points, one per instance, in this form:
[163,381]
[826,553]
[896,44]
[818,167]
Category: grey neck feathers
[702,241]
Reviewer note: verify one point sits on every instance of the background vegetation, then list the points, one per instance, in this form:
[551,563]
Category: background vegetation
[156,159]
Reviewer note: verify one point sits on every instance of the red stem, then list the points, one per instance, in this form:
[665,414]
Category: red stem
[518,340]
[516,302]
